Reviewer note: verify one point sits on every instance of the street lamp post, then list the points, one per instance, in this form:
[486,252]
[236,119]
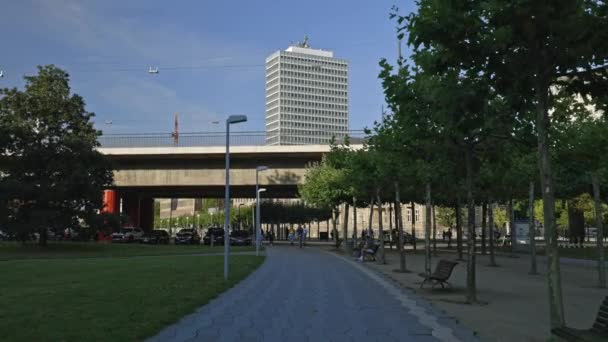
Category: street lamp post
[232,119]
[257,186]
[257,217]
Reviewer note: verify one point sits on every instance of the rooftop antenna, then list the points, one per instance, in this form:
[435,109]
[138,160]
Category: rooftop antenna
[175,133]
[153,70]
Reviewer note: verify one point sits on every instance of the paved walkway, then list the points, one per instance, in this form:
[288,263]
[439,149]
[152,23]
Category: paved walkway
[311,295]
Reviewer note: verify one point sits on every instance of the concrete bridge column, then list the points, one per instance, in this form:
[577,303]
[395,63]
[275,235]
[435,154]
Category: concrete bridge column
[111,202]
[140,210]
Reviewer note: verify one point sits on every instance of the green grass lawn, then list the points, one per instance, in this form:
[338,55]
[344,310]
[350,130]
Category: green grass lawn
[15,250]
[108,299]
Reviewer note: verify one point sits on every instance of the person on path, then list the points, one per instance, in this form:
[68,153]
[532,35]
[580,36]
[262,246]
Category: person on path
[300,233]
[367,248]
[305,233]
[449,234]
[271,237]
[292,236]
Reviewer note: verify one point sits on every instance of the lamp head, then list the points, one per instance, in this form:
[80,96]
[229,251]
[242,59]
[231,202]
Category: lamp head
[261,189]
[232,119]
[261,168]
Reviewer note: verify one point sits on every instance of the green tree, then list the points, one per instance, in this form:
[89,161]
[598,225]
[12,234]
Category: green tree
[525,48]
[582,141]
[324,187]
[51,174]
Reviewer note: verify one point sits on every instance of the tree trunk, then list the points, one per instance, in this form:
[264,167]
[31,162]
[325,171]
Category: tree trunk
[601,266]
[532,230]
[399,224]
[382,258]
[484,214]
[576,225]
[471,283]
[491,226]
[458,213]
[42,240]
[427,230]
[556,306]
[354,221]
[390,224]
[371,215]
[345,244]
[511,223]
[434,232]
[413,209]
[334,229]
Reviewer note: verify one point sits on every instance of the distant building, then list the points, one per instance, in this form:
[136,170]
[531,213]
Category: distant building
[179,207]
[306,96]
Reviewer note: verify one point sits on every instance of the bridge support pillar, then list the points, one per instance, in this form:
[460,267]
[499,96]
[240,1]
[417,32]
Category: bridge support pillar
[111,202]
[140,211]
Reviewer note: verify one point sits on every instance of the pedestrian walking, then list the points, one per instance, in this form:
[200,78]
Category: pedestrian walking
[449,234]
[292,235]
[300,233]
[271,237]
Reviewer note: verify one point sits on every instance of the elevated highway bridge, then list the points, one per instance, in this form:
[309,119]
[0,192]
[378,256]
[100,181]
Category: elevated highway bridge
[148,167]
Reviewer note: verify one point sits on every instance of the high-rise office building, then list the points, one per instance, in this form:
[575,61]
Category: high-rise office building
[306,96]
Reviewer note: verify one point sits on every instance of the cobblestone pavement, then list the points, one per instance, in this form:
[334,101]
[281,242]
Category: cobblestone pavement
[311,295]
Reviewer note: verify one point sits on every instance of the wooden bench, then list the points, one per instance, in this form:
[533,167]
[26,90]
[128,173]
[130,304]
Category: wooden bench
[440,276]
[357,249]
[598,332]
[370,253]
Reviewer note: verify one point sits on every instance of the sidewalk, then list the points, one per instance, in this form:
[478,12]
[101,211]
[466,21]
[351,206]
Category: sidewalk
[517,303]
[307,294]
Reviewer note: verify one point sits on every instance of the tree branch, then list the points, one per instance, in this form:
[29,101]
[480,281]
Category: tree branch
[603,69]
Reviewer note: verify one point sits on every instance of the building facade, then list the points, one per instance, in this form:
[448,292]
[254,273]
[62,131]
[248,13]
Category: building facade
[306,96]
[179,206]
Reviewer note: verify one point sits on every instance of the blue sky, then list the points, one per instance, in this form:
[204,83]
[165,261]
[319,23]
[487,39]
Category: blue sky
[107,46]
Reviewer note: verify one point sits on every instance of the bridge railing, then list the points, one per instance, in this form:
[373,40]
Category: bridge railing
[196,139]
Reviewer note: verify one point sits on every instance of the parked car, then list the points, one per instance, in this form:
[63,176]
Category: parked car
[240,238]
[50,234]
[67,234]
[407,237]
[6,236]
[187,236]
[218,236]
[128,235]
[156,236]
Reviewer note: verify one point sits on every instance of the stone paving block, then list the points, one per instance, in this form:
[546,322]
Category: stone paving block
[295,337]
[422,338]
[207,336]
